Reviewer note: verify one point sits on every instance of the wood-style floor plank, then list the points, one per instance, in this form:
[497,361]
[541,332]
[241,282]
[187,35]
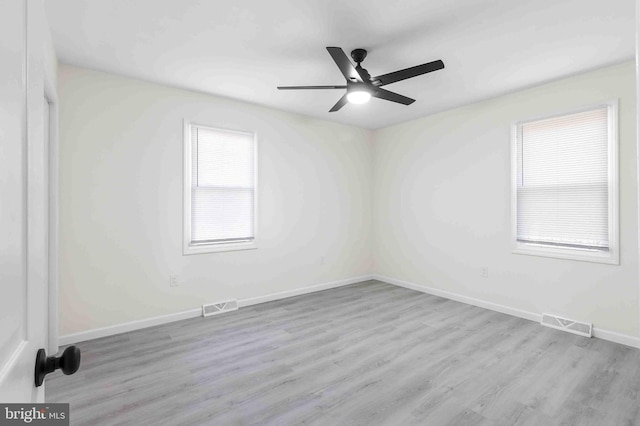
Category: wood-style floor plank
[365,354]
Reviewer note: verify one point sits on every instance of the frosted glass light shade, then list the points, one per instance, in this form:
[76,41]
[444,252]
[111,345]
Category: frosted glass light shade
[358,97]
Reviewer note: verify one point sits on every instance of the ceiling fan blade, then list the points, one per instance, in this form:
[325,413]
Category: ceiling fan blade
[345,65]
[309,87]
[392,77]
[393,97]
[342,102]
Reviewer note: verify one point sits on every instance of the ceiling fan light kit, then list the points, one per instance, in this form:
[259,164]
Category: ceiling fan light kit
[360,86]
[358,96]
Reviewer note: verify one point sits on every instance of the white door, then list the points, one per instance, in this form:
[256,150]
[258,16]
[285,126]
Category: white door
[24,222]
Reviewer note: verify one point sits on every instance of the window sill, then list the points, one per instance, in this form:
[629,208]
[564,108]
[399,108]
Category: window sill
[594,256]
[217,248]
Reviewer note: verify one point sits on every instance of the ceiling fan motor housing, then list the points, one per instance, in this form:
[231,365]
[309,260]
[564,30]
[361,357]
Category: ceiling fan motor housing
[353,86]
[358,55]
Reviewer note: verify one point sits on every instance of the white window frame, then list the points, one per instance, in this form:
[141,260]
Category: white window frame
[612,256]
[188,247]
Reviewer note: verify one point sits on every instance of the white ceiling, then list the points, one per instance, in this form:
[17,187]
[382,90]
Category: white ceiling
[243,49]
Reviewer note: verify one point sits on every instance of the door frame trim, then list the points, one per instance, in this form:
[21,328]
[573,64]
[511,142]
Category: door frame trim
[52,168]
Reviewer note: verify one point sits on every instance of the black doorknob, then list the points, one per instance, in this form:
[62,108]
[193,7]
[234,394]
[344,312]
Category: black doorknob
[68,362]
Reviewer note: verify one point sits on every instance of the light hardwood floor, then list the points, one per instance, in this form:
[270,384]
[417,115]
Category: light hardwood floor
[365,354]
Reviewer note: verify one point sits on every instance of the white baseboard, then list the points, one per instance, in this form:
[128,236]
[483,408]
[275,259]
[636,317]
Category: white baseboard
[303,290]
[460,298]
[611,336]
[97,333]
[111,330]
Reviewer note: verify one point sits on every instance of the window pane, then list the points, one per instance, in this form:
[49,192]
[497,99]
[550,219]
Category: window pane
[223,159]
[565,215]
[565,150]
[222,214]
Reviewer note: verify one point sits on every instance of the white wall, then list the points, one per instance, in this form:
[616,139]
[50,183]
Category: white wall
[442,207]
[121,202]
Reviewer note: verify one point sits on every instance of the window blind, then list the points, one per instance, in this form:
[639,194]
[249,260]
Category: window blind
[563,180]
[222,186]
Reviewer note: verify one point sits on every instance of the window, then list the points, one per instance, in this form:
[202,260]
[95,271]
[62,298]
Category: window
[219,190]
[565,185]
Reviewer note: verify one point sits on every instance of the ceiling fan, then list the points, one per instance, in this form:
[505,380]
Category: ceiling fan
[361,86]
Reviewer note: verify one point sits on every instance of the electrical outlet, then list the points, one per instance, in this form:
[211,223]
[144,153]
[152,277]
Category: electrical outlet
[173,280]
[484,273]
